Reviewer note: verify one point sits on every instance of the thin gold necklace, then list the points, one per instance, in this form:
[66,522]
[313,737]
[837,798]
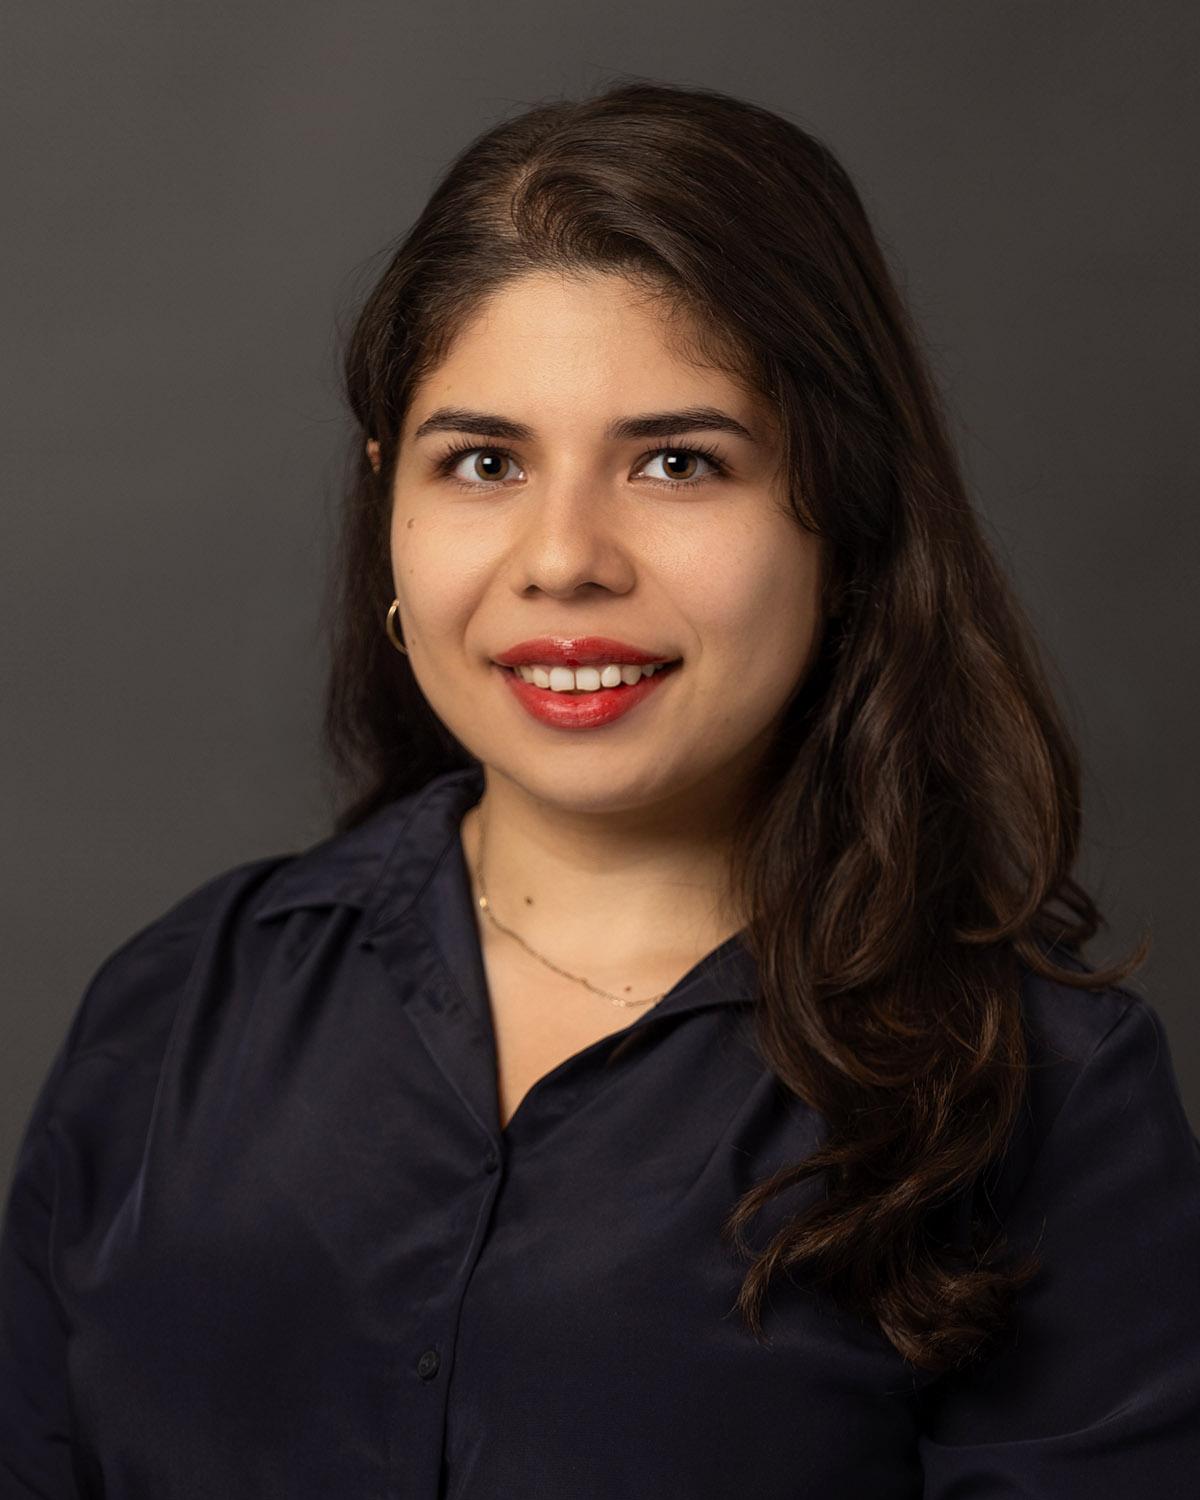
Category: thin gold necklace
[486,907]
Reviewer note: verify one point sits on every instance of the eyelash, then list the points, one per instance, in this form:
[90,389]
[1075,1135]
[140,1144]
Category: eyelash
[448,460]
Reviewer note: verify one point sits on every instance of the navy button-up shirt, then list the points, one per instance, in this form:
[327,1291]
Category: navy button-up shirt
[265,1237]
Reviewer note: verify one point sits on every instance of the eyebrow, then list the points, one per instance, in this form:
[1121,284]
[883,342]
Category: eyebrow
[647,425]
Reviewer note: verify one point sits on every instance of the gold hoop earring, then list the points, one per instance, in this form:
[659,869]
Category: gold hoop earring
[393,616]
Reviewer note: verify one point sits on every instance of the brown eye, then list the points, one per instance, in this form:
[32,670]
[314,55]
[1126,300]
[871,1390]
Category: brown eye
[488,464]
[679,466]
[474,467]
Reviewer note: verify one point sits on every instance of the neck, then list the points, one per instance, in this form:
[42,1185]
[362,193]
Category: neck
[606,891]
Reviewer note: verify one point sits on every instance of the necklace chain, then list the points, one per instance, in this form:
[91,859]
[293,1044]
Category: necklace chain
[486,907]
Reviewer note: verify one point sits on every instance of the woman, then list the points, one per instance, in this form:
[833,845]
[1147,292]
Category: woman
[676,1074]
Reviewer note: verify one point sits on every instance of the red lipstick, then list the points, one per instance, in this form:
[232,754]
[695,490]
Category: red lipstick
[583,710]
[575,651]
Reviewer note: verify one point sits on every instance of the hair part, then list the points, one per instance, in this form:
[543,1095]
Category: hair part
[907,846]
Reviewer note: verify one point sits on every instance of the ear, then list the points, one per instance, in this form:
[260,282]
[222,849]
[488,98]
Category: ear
[373,453]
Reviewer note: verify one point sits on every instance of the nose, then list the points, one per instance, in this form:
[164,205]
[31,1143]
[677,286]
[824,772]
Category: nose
[569,538]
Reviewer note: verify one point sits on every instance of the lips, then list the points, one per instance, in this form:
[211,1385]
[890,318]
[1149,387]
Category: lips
[587,710]
[576,651]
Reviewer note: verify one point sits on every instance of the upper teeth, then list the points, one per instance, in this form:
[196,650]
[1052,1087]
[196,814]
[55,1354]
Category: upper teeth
[588,679]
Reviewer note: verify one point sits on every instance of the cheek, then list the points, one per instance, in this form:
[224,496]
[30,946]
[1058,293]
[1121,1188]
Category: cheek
[400,539]
[436,585]
[758,605]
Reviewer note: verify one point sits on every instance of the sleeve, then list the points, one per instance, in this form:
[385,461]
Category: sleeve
[1098,1392]
[35,1429]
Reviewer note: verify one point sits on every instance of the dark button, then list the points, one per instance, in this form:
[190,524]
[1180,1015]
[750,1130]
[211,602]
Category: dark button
[490,1162]
[427,1365]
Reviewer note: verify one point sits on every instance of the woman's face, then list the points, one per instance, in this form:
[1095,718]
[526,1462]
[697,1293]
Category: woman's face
[556,523]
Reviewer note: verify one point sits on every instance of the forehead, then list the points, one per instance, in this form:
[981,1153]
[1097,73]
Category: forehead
[573,303]
[576,345]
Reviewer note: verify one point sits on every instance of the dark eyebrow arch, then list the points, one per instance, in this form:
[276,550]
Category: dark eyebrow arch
[648,425]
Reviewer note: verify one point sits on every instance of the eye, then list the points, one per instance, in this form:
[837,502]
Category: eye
[487,467]
[687,479]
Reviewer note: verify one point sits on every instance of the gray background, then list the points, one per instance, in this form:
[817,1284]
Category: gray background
[196,195]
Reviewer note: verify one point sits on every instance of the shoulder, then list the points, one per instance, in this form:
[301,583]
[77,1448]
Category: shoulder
[1099,1070]
[146,969]
[216,936]
[1093,1385]
[1079,1037]
[120,1023]
[108,1057]
[1065,1024]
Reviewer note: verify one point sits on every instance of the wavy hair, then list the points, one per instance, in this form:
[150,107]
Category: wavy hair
[909,840]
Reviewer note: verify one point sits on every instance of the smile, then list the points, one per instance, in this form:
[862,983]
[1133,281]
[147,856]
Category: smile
[588,679]
[585,697]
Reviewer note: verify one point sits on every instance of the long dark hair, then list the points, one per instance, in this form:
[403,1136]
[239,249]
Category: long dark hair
[910,839]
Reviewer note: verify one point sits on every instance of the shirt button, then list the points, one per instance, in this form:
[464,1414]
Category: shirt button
[427,1365]
[490,1162]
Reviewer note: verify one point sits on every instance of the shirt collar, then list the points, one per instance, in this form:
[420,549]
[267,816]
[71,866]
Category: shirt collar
[406,859]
